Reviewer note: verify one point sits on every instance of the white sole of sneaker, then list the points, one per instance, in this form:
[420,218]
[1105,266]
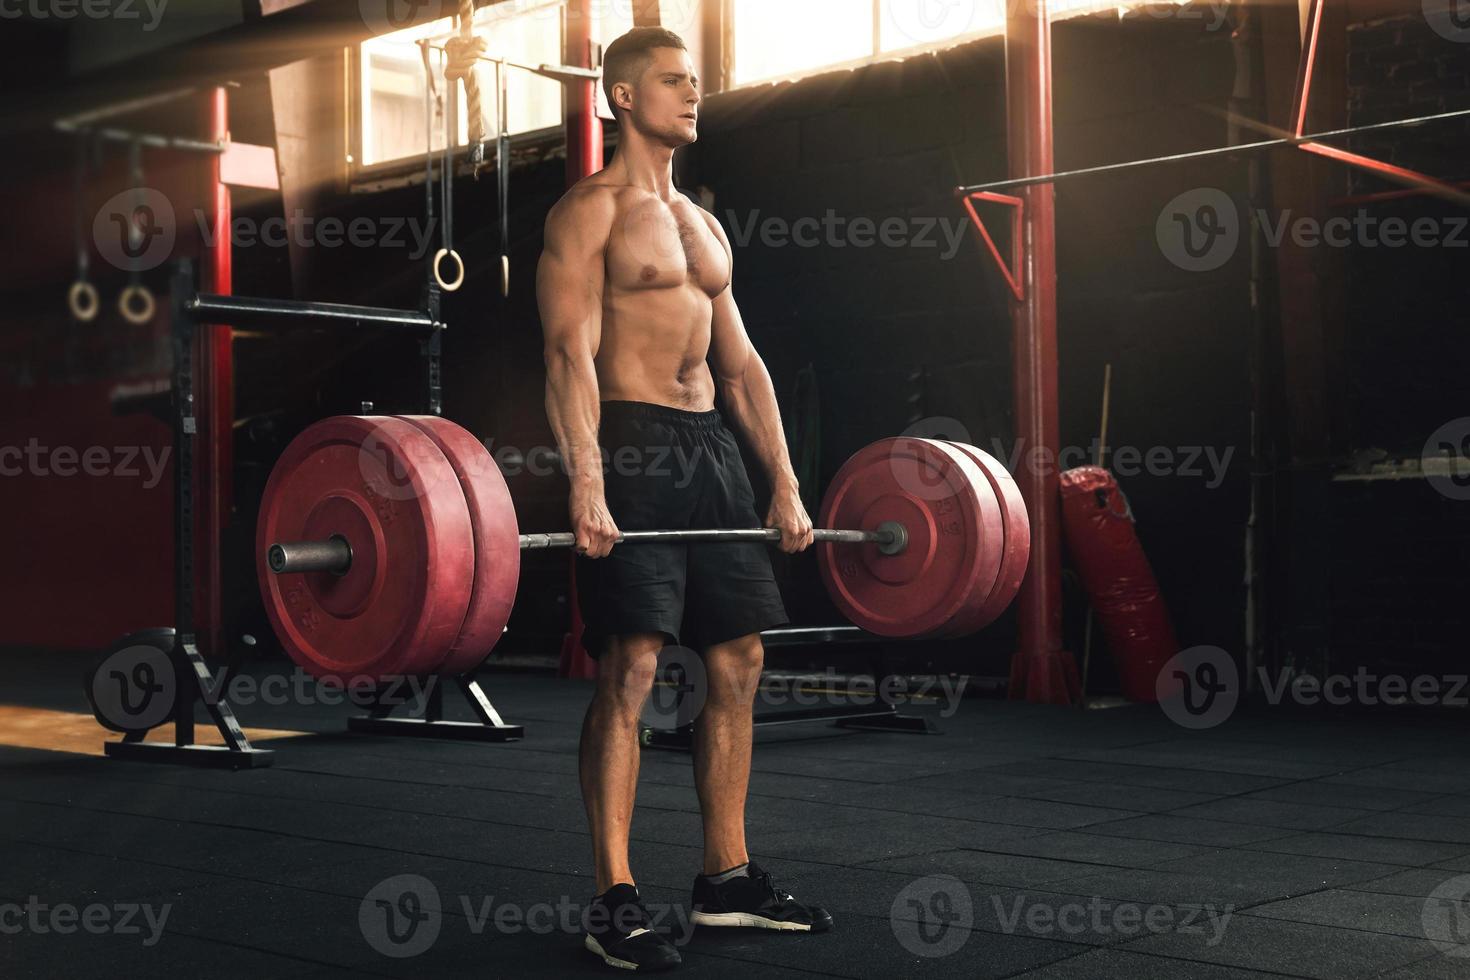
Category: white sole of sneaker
[610,960]
[746,919]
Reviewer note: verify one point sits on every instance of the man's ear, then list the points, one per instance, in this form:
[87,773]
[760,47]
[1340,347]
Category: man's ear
[623,93]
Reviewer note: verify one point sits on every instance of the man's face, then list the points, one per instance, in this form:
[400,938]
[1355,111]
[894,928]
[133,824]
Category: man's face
[666,99]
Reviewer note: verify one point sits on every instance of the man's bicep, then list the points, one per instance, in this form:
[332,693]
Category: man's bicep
[730,348]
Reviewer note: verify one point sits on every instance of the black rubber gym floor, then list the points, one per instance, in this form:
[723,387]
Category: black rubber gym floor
[1023,841]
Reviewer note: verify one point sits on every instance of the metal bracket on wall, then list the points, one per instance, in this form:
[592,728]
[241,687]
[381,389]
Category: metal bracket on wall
[1012,272]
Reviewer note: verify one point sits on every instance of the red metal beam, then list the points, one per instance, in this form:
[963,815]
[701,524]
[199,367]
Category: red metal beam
[584,128]
[1401,175]
[1041,670]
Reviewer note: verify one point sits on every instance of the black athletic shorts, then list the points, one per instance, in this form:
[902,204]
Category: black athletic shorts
[668,468]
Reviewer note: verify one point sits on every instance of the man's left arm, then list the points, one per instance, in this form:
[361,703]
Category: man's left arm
[750,400]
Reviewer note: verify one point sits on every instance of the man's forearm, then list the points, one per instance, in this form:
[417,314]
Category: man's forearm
[573,409]
[751,402]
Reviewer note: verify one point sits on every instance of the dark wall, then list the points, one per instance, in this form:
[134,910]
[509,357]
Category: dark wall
[1401,547]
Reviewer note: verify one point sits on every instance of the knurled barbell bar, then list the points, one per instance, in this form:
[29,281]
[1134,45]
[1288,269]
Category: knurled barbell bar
[335,554]
[389,545]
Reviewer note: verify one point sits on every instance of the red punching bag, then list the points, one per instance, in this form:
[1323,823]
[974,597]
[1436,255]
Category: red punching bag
[1119,582]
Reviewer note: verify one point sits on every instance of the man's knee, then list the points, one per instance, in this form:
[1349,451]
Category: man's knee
[626,669]
[734,669]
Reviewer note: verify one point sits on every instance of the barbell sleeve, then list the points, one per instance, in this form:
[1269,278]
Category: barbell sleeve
[335,554]
[332,555]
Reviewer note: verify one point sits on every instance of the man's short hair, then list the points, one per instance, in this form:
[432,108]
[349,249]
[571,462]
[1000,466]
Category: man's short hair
[627,58]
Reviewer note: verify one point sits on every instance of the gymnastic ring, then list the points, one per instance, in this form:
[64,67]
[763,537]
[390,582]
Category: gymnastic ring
[505,275]
[83,300]
[448,287]
[136,314]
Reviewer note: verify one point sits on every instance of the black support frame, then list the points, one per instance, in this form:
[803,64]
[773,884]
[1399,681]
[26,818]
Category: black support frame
[191,310]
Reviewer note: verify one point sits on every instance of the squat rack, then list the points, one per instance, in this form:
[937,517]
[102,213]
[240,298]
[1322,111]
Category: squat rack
[1041,670]
[192,310]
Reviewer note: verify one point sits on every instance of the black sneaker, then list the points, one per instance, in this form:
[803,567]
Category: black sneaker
[620,930]
[751,900]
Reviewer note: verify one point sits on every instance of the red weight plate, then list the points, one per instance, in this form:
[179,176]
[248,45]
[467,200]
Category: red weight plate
[955,536]
[497,542]
[1017,545]
[383,485]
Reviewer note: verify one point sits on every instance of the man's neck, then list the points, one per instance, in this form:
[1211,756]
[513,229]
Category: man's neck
[646,164]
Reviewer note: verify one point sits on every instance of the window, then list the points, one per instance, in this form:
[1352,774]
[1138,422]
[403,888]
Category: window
[390,92]
[775,39]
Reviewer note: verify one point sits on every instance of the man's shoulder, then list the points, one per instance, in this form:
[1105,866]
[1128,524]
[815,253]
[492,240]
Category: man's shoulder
[587,206]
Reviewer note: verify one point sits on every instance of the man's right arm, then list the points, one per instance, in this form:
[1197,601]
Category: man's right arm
[569,285]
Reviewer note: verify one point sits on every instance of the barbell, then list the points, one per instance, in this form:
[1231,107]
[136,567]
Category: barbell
[389,545]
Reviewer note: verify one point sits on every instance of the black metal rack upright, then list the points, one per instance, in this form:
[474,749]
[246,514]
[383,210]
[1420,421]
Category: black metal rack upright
[190,310]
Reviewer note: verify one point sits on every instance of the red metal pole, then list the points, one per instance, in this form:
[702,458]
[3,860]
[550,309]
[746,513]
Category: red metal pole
[1041,670]
[584,128]
[215,398]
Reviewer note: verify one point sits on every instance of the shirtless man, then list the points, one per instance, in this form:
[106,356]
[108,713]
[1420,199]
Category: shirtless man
[641,331]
